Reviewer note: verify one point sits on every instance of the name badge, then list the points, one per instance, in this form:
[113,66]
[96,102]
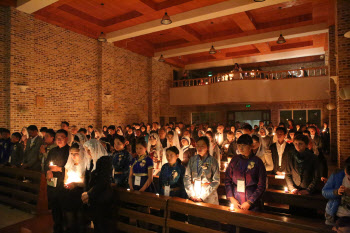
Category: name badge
[167,190]
[137,180]
[241,186]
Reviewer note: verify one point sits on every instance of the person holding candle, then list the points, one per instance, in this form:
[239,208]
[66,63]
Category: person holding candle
[141,169]
[155,151]
[203,172]
[187,150]
[98,193]
[54,169]
[172,174]
[72,204]
[245,179]
[260,152]
[266,139]
[121,162]
[229,147]
[220,136]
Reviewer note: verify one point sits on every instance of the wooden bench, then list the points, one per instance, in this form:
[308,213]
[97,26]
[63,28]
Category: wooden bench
[29,196]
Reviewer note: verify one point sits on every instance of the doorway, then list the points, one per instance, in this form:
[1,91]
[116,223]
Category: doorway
[250,117]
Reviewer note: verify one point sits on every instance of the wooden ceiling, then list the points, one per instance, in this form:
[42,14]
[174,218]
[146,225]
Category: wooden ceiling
[90,17]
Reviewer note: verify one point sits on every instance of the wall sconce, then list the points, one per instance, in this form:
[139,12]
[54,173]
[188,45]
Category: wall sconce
[22,87]
[330,106]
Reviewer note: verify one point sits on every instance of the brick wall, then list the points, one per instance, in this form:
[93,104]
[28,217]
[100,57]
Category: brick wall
[4,66]
[343,72]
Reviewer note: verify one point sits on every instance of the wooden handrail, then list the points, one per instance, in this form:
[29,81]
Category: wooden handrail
[250,75]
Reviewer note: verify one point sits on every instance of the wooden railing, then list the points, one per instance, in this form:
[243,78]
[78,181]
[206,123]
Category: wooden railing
[23,189]
[253,75]
[161,217]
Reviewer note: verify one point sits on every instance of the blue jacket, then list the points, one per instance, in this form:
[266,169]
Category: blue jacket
[333,183]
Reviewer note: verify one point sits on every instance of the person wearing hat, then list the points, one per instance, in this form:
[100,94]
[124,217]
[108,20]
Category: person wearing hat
[245,179]
[187,150]
[31,154]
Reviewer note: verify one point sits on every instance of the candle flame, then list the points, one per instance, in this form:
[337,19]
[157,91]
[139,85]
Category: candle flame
[73,177]
[232,207]
[51,163]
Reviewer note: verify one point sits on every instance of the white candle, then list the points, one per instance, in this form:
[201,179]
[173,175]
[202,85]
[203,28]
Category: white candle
[232,207]
[285,189]
[157,194]
[227,145]
[51,164]
[197,187]
[225,166]
[128,190]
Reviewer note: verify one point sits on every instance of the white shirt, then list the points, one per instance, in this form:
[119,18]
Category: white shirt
[32,140]
[312,136]
[280,150]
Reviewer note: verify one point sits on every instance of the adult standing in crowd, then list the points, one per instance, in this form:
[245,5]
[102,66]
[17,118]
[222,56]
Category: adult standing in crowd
[31,154]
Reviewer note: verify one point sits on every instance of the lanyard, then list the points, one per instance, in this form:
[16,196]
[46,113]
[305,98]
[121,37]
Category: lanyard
[201,166]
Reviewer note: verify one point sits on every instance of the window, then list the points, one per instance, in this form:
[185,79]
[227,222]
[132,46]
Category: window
[204,117]
[301,116]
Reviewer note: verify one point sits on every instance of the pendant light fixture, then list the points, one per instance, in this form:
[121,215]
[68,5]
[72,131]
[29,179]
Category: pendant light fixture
[212,50]
[102,37]
[161,58]
[166,19]
[281,40]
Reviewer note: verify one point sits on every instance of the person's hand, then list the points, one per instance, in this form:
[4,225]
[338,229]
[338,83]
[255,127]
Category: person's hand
[55,168]
[195,199]
[235,202]
[85,197]
[43,149]
[341,190]
[294,191]
[303,192]
[127,143]
[70,185]
[245,206]
[49,175]
[324,179]
[280,173]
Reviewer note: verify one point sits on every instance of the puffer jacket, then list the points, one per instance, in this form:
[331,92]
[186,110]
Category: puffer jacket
[329,191]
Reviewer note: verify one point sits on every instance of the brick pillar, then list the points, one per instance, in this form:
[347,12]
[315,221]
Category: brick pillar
[343,72]
[333,93]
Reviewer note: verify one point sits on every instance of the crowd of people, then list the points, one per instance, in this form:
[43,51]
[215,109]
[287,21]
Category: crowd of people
[81,164]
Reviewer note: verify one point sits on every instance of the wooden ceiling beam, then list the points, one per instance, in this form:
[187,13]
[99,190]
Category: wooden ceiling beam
[205,13]
[259,58]
[248,40]
[31,6]
[245,21]
[189,34]
[263,47]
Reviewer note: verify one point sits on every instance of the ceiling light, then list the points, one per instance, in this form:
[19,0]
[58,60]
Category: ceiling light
[281,40]
[347,34]
[166,19]
[212,50]
[161,58]
[102,37]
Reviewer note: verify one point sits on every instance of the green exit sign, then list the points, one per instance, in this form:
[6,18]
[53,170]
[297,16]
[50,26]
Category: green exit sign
[247,105]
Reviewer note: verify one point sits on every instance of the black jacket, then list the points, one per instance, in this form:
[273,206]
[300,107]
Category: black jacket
[58,156]
[287,152]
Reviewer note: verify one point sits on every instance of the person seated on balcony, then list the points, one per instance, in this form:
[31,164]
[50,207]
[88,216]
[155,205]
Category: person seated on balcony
[236,70]
[245,179]
[266,139]
[121,162]
[337,191]
[302,168]
[262,153]
[16,156]
[188,150]
[202,176]
[172,175]
[141,170]
[229,148]
[280,150]
[214,149]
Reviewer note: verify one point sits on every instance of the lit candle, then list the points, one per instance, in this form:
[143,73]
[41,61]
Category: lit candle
[197,187]
[225,166]
[73,177]
[227,145]
[157,194]
[51,164]
[232,207]
[324,130]
[285,189]
[273,134]
[127,189]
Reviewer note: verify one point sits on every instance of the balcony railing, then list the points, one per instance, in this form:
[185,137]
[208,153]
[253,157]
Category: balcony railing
[253,75]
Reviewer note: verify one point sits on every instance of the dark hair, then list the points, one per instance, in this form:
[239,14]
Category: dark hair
[248,127]
[112,127]
[300,137]
[74,146]
[313,127]
[17,135]
[32,128]
[245,139]
[43,129]
[281,123]
[230,133]
[142,142]
[82,130]
[210,133]
[282,129]
[5,131]
[205,139]
[256,138]
[76,138]
[90,126]
[120,138]
[347,165]
[171,133]
[173,149]
[62,131]
[51,132]
[307,132]
[108,145]
[292,131]
[105,126]
[65,122]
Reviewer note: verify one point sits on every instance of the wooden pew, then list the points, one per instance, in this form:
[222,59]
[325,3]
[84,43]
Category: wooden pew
[29,196]
[239,218]
[127,207]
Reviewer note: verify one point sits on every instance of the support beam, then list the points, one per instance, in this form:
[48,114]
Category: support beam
[245,21]
[248,40]
[205,13]
[259,58]
[189,34]
[31,6]
[263,47]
